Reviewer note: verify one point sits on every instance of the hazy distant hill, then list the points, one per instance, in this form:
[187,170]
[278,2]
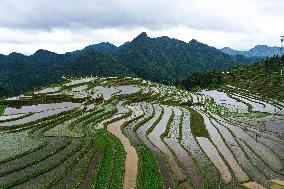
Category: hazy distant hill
[257,51]
[159,59]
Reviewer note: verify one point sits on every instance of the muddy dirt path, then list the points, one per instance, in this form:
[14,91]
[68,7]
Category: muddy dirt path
[131,161]
[278,181]
[253,185]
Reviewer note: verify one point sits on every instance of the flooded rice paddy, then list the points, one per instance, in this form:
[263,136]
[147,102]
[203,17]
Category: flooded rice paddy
[51,145]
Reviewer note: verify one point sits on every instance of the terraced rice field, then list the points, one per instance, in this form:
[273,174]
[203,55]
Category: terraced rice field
[131,133]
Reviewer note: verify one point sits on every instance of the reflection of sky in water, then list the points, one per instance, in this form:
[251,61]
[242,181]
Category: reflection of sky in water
[128,89]
[121,109]
[108,92]
[78,81]
[39,108]
[222,98]
[48,90]
[259,106]
[105,91]
[37,116]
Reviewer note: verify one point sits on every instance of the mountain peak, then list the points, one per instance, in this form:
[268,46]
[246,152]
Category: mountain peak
[257,51]
[194,41]
[226,48]
[44,52]
[142,36]
[103,46]
[260,47]
[15,54]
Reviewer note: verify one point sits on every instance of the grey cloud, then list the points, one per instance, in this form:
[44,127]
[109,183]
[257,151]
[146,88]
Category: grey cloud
[98,14]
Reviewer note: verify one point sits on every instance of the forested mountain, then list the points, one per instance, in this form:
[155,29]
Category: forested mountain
[159,59]
[104,47]
[258,51]
[21,73]
[169,60]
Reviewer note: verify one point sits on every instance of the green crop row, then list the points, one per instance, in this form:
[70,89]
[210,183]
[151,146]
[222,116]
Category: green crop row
[54,122]
[144,120]
[36,124]
[24,153]
[149,174]
[71,166]
[180,126]
[168,127]
[128,129]
[100,116]
[155,123]
[84,168]
[197,125]
[110,171]
[43,170]
[2,109]
[83,118]
[138,97]
[34,160]
[119,118]
[13,119]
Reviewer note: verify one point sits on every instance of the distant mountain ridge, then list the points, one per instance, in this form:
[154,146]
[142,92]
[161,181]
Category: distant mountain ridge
[104,46]
[257,51]
[160,59]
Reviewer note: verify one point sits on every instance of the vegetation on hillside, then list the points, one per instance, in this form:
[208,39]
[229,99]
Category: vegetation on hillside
[197,125]
[203,80]
[149,171]
[263,77]
[2,109]
[3,92]
[160,59]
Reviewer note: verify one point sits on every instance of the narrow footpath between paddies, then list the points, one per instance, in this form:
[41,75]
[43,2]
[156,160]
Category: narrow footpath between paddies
[131,160]
[253,185]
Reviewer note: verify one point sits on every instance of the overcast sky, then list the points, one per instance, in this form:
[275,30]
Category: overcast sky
[66,25]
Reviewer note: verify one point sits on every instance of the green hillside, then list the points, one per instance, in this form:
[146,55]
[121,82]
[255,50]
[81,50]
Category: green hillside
[263,78]
[159,59]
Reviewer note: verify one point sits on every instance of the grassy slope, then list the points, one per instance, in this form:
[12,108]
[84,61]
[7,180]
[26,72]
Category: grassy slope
[263,77]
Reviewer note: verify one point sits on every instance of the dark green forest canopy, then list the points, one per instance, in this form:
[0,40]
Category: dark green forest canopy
[160,59]
[3,92]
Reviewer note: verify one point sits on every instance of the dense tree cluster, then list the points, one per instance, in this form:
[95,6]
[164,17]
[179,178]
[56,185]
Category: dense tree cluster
[3,92]
[273,64]
[203,80]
